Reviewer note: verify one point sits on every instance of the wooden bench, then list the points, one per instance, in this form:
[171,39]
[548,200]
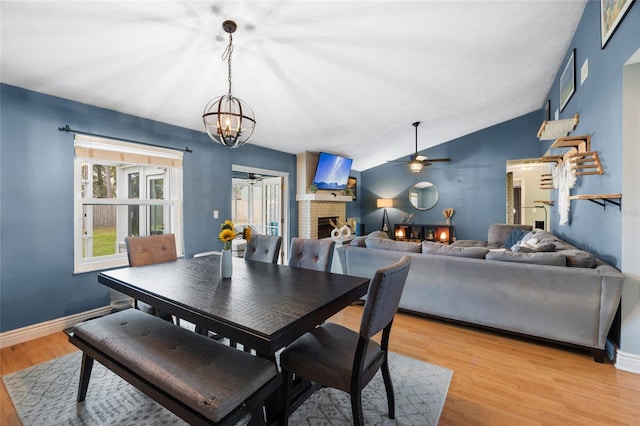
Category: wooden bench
[198,379]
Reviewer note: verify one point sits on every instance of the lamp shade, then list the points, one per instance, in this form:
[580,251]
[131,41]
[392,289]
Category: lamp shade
[384,203]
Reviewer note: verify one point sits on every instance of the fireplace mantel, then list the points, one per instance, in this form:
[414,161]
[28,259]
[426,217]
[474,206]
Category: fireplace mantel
[324,197]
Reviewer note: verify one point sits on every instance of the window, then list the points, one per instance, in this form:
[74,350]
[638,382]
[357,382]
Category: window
[122,189]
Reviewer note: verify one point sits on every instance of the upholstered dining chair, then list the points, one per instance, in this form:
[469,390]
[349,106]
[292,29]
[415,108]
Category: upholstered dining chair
[337,357]
[311,254]
[263,248]
[148,250]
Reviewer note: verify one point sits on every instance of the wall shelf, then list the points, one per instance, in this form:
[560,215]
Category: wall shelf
[554,129]
[581,143]
[600,199]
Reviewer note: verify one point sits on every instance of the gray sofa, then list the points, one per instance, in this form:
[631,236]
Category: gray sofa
[527,291]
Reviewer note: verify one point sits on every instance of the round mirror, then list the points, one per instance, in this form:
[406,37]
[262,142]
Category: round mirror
[423,195]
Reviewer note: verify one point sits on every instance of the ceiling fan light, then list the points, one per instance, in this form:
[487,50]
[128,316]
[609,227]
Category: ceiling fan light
[415,166]
[229,121]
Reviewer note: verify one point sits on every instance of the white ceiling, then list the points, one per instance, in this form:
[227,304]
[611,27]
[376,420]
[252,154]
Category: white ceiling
[347,77]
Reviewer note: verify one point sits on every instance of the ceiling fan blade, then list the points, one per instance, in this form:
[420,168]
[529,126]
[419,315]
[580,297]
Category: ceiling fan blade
[433,160]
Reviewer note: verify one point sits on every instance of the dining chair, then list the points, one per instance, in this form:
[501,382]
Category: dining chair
[311,254]
[337,357]
[263,248]
[148,250]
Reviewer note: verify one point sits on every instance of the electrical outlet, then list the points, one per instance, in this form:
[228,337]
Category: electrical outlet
[215,214]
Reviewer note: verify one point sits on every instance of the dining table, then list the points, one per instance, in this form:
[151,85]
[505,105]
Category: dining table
[263,306]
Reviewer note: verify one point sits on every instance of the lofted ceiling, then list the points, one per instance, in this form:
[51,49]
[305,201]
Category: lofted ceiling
[346,77]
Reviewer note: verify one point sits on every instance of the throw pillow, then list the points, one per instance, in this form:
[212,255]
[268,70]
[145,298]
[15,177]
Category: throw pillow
[515,236]
[457,251]
[378,234]
[358,241]
[388,244]
[522,247]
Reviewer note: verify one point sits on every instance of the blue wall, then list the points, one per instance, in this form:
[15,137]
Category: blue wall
[473,183]
[36,213]
[599,103]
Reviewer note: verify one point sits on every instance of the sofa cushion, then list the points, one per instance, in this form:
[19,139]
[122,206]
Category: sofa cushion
[498,232]
[388,244]
[578,258]
[514,236]
[551,259]
[457,251]
[468,243]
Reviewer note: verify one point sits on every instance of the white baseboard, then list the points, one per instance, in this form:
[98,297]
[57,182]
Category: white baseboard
[20,335]
[627,362]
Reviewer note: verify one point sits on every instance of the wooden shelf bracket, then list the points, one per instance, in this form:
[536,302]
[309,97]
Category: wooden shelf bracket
[601,199]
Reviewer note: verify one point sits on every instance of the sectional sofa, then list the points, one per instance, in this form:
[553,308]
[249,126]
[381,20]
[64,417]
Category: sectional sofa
[521,281]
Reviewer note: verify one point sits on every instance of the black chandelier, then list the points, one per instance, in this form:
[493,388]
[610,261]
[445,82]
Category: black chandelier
[229,120]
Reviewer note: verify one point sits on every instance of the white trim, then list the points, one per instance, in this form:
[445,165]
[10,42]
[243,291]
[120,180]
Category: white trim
[285,198]
[105,144]
[627,362]
[24,334]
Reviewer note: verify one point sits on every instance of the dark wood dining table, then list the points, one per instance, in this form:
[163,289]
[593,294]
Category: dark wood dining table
[263,306]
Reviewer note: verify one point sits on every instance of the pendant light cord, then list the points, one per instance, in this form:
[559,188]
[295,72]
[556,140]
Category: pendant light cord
[226,55]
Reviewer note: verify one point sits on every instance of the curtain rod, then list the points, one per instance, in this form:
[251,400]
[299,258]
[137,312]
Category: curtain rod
[67,129]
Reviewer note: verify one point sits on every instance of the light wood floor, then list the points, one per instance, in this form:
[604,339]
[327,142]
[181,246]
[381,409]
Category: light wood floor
[497,379]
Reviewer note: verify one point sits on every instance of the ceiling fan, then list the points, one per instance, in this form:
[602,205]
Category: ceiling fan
[416,161]
[253,178]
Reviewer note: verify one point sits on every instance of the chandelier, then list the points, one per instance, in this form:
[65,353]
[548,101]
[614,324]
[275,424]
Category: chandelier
[229,121]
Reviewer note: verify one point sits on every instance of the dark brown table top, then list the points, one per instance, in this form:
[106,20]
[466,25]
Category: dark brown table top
[263,306]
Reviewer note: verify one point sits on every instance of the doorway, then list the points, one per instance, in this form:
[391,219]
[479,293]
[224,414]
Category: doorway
[528,200]
[258,200]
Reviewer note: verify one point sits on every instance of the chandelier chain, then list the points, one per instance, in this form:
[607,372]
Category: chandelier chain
[227,55]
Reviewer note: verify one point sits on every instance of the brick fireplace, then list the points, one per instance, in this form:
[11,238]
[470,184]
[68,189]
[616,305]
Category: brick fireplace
[321,204]
[310,210]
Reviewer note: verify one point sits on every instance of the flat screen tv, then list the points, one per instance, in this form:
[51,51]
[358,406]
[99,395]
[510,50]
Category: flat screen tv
[332,171]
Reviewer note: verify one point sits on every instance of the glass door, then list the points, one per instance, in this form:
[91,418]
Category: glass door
[257,200]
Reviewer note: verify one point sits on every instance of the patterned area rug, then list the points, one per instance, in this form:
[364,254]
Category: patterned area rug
[45,395]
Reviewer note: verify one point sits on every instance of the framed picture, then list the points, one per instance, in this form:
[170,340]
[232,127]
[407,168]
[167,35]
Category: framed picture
[612,12]
[546,112]
[352,185]
[568,80]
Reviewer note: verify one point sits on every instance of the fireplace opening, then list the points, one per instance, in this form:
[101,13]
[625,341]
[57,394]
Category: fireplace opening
[325,227]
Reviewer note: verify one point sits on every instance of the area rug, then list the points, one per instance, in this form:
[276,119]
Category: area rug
[46,395]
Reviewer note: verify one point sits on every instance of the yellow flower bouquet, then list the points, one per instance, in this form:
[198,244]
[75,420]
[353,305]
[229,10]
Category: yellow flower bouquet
[227,234]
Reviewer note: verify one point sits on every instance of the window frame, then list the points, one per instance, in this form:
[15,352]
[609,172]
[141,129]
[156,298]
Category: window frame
[97,150]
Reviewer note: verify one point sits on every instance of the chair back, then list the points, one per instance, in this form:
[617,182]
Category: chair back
[151,249]
[311,254]
[263,248]
[383,297]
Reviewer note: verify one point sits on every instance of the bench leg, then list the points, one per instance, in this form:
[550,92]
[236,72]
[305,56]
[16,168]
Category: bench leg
[85,375]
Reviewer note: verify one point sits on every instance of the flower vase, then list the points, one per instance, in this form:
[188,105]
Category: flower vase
[226,266]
